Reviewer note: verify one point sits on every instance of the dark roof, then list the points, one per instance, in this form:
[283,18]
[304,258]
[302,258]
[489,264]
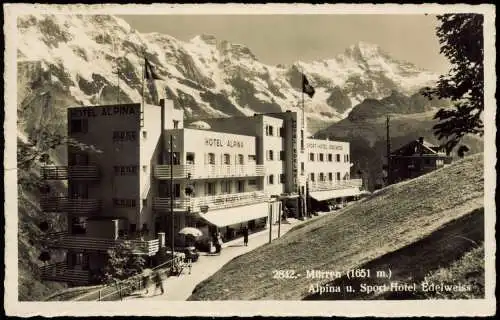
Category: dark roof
[416,146]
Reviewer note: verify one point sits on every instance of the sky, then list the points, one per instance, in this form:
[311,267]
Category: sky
[285,39]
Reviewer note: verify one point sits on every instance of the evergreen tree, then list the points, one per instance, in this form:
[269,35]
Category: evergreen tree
[461,39]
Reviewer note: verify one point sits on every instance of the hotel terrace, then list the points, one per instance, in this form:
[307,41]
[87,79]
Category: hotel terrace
[222,174]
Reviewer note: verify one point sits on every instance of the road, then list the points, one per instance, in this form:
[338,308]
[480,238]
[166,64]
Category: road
[180,288]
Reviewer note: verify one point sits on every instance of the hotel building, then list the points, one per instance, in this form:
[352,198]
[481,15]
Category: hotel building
[222,174]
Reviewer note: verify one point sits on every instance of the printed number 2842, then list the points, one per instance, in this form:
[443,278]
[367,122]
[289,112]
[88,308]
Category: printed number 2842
[284,274]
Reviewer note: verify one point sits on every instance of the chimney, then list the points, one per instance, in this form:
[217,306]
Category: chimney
[421,140]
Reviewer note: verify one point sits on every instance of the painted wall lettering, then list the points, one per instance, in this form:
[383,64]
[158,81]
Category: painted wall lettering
[125,170]
[214,142]
[91,112]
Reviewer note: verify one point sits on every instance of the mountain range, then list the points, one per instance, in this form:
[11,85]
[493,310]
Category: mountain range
[91,59]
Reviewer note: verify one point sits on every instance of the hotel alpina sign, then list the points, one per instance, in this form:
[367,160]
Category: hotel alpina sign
[215,142]
[91,112]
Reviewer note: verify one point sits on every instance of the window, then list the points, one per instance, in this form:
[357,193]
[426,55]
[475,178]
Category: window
[330,157]
[338,157]
[282,178]
[78,190]
[346,158]
[301,139]
[321,157]
[252,182]
[338,176]
[227,158]
[282,132]
[311,156]
[241,186]
[302,168]
[241,159]
[190,158]
[176,158]
[321,177]
[79,126]
[270,179]
[144,134]
[176,124]
[124,203]
[330,176]
[269,130]
[145,168]
[144,202]
[251,158]
[282,155]
[211,158]
[312,176]
[78,158]
[125,170]
[210,188]
[225,186]
[346,176]
[270,155]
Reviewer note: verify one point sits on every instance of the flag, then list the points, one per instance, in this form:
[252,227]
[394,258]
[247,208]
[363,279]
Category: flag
[306,87]
[149,72]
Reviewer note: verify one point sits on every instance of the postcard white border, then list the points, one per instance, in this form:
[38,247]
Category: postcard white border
[12,306]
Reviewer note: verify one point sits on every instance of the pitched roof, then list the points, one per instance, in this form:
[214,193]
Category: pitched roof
[416,147]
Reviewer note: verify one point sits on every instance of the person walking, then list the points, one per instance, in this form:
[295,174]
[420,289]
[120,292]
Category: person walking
[145,283]
[245,236]
[158,282]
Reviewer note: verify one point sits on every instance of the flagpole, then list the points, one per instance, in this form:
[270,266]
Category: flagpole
[143,78]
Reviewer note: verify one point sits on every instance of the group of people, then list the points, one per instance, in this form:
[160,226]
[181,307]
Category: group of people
[217,239]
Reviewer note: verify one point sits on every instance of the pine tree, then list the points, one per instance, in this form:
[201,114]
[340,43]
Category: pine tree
[461,39]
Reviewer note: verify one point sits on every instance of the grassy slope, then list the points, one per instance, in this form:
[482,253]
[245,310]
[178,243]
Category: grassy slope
[387,221]
[467,270]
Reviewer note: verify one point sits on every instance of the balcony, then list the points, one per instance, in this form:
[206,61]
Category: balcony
[69,205]
[196,204]
[63,273]
[78,172]
[335,185]
[84,243]
[209,171]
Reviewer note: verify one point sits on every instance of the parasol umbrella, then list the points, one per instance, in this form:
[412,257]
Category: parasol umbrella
[191,232]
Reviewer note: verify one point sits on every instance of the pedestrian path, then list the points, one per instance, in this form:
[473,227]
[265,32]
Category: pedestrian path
[180,288]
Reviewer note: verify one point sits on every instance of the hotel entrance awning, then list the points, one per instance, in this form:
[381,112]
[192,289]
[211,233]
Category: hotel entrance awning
[230,216]
[331,194]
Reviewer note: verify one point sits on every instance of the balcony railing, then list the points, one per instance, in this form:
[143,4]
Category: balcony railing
[209,171]
[335,185]
[79,172]
[212,202]
[82,242]
[63,273]
[70,205]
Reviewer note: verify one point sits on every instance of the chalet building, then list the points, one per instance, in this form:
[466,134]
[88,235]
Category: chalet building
[217,175]
[415,159]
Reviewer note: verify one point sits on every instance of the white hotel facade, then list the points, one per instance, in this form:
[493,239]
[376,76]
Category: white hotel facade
[242,171]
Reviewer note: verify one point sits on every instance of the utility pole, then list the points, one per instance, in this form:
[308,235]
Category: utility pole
[270,223]
[389,181]
[172,229]
[279,219]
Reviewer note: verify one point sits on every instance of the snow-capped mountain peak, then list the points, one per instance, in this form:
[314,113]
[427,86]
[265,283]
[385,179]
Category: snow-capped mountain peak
[204,75]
